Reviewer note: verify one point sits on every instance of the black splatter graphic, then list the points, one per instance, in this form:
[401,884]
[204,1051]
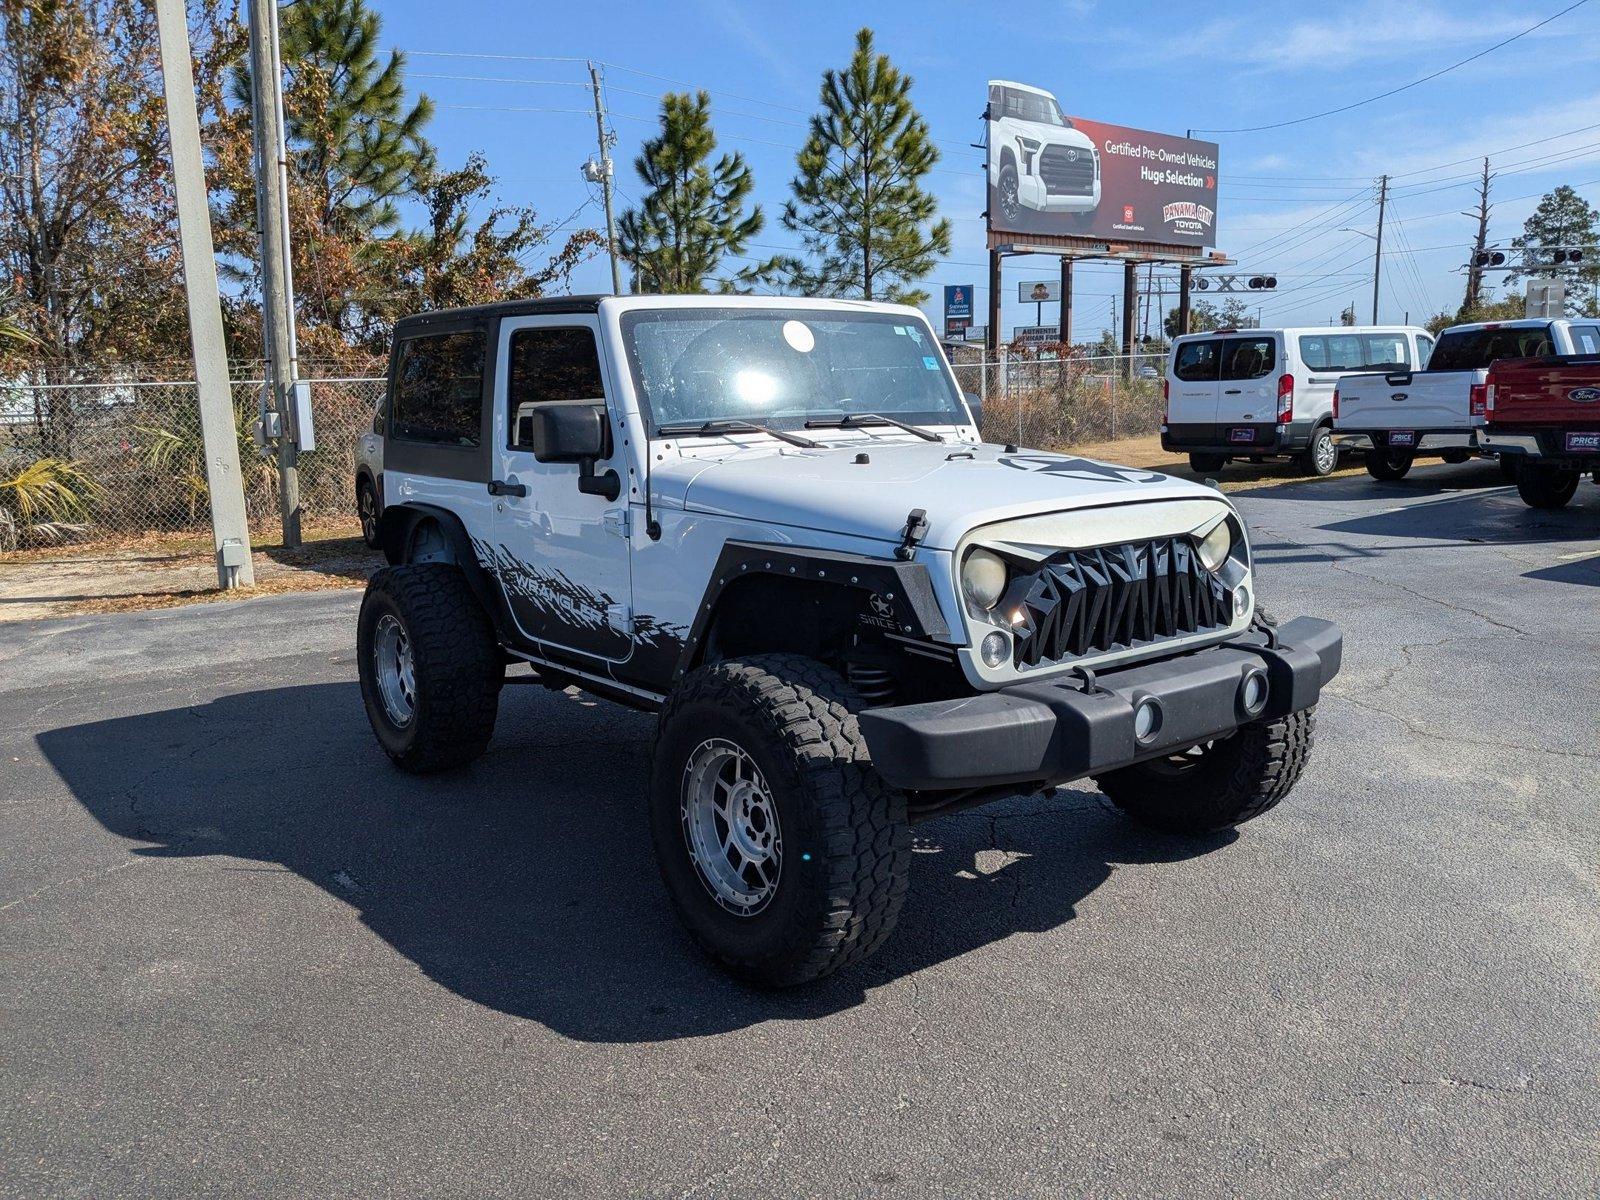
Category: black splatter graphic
[1078,468]
[568,604]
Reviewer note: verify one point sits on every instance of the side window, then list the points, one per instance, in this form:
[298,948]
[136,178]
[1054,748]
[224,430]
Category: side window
[438,391]
[1248,358]
[1424,351]
[550,364]
[1344,352]
[1586,339]
[1314,353]
[1196,362]
[1385,352]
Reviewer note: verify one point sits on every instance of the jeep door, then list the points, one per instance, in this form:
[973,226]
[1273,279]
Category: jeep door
[560,555]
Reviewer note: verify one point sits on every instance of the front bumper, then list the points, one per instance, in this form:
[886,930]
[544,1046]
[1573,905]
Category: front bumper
[1052,732]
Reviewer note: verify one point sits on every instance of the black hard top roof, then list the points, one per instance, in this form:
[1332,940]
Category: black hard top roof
[555,305]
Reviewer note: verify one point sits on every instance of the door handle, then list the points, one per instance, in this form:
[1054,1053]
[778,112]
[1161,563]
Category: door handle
[1232,391]
[499,487]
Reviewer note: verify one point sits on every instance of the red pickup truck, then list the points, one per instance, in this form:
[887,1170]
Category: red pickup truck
[1544,415]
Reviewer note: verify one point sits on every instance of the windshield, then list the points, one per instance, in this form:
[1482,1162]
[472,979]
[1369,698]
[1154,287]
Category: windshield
[1029,106]
[1473,349]
[783,367]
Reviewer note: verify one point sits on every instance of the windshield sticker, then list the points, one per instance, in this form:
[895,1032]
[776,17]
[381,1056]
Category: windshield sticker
[929,363]
[916,334]
[901,330]
[799,336]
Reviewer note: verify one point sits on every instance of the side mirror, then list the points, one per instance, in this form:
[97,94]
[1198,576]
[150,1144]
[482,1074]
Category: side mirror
[571,431]
[565,431]
[976,405]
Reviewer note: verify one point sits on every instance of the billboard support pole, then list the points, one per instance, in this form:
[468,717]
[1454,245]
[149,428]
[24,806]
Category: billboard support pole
[1066,301]
[1130,285]
[994,304]
[1185,274]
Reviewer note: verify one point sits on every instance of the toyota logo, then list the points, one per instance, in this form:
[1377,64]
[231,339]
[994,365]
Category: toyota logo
[1584,395]
[1072,154]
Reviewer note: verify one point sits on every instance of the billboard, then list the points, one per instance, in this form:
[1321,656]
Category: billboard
[1054,174]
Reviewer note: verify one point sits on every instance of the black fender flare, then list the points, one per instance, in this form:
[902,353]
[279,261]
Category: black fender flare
[905,588]
[395,526]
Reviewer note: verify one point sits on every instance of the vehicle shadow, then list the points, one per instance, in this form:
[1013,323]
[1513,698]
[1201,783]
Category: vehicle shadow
[526,882]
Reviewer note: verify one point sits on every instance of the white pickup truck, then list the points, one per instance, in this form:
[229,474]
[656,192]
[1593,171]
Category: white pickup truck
[1435,411]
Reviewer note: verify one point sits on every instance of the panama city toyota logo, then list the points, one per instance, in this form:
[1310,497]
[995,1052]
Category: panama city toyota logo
[1186,213]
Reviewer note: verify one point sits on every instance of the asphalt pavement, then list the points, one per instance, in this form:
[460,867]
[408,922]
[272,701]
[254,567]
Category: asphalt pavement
[242,955]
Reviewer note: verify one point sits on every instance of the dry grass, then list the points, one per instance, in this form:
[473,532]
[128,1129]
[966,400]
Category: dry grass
[166,570]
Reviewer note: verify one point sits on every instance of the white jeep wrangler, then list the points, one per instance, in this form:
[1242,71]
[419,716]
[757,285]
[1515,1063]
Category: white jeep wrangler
[772,522]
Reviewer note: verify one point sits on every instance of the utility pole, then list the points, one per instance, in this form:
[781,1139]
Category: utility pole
[1377,253]
[1474,272]
[277,308]
[605,176]
[230,528]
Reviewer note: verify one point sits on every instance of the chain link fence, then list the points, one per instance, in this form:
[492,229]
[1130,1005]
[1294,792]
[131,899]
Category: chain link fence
[134,453]
[131,450]
[1052,403]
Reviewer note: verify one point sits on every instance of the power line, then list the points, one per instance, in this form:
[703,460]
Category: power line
[1405,86]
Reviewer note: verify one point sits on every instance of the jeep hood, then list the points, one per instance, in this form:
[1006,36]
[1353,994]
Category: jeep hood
[960,486]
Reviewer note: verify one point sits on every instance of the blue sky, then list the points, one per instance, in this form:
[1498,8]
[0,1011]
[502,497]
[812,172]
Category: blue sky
[1286,196]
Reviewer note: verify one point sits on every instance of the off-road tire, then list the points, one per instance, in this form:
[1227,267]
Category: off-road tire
[1207,464]
[456,660]
[1389,465]
[1321,457]
[1232,781]
[367,513]
[1546,487]
[846,844]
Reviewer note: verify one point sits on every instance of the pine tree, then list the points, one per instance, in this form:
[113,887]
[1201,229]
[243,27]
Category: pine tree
[858,203]
[354,141]
[1563,219]
[693,215]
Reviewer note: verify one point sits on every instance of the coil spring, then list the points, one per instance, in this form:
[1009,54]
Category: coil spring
[874,684]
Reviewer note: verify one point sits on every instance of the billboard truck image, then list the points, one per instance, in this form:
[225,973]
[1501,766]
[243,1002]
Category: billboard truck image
[1054,174]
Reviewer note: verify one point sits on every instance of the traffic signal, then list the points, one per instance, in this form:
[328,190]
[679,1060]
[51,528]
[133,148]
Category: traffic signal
[1258,282]
[1569,255]
[1488,258]
[1201,284]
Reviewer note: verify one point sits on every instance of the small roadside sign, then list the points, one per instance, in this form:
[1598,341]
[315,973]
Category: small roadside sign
[1036,335]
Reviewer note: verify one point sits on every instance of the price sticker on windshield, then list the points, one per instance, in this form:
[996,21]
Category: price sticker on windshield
[930,363]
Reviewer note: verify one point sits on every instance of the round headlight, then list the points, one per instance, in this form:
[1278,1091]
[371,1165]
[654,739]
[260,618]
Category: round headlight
[983,578]
[1215,545]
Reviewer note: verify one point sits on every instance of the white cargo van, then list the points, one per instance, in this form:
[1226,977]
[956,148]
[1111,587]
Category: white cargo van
[1268,393]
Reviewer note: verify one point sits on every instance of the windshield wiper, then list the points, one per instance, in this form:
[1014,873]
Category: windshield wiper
[855,420]
[735,425]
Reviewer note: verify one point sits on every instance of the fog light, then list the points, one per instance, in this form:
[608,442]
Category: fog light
[1253,692]
[1146,720]
[1241,600]
[996,649]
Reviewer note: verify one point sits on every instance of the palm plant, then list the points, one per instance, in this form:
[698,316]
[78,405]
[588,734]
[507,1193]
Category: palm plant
[46,500]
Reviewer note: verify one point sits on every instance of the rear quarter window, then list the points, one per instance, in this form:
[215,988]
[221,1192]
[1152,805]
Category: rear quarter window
[438,389]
